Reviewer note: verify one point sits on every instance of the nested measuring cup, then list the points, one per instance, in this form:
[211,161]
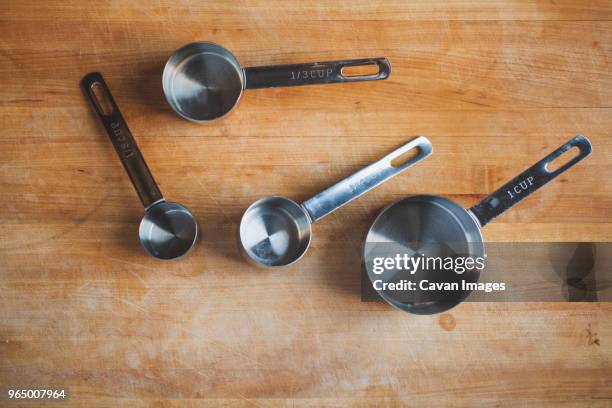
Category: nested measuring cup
[276,231]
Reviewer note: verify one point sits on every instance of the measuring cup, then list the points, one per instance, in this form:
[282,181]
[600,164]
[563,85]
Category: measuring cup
[436,227]
[167,230]
[275,231]
[203,81]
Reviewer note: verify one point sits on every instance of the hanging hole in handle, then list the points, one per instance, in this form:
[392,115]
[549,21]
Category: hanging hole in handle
[101,99]
[362,70]
[405,157]
[562,159]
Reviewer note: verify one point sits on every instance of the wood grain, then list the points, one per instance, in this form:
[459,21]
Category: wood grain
[495,85]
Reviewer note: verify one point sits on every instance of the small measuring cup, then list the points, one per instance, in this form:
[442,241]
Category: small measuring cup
[276,231]
[203,81]
[167,230]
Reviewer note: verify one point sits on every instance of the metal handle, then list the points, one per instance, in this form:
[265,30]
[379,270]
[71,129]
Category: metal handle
[310,74]
[529,181]
[122,140]
[365,179]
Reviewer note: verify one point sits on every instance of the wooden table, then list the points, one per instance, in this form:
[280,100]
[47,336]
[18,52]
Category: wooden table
[494,85]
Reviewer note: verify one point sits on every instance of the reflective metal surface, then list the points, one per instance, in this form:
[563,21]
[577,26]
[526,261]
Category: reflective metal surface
[203,81]
[367,178]
[428,226]
[168,230]
[530,180]
[275,231]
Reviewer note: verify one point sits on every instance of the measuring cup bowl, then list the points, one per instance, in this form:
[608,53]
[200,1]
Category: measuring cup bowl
[202,81]
[432,227]
[275,231]
[168,230]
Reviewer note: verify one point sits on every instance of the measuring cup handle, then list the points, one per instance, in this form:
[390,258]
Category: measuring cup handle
[314,73]
[122,140]
[529,181]
[365,179]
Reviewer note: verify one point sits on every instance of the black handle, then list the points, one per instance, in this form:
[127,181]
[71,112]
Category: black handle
[311,74]
[122,139]
[529,181]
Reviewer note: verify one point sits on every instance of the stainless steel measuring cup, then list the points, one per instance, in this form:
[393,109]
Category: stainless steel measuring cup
[276,231]
[434,227]
[167,230]
[203,81]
